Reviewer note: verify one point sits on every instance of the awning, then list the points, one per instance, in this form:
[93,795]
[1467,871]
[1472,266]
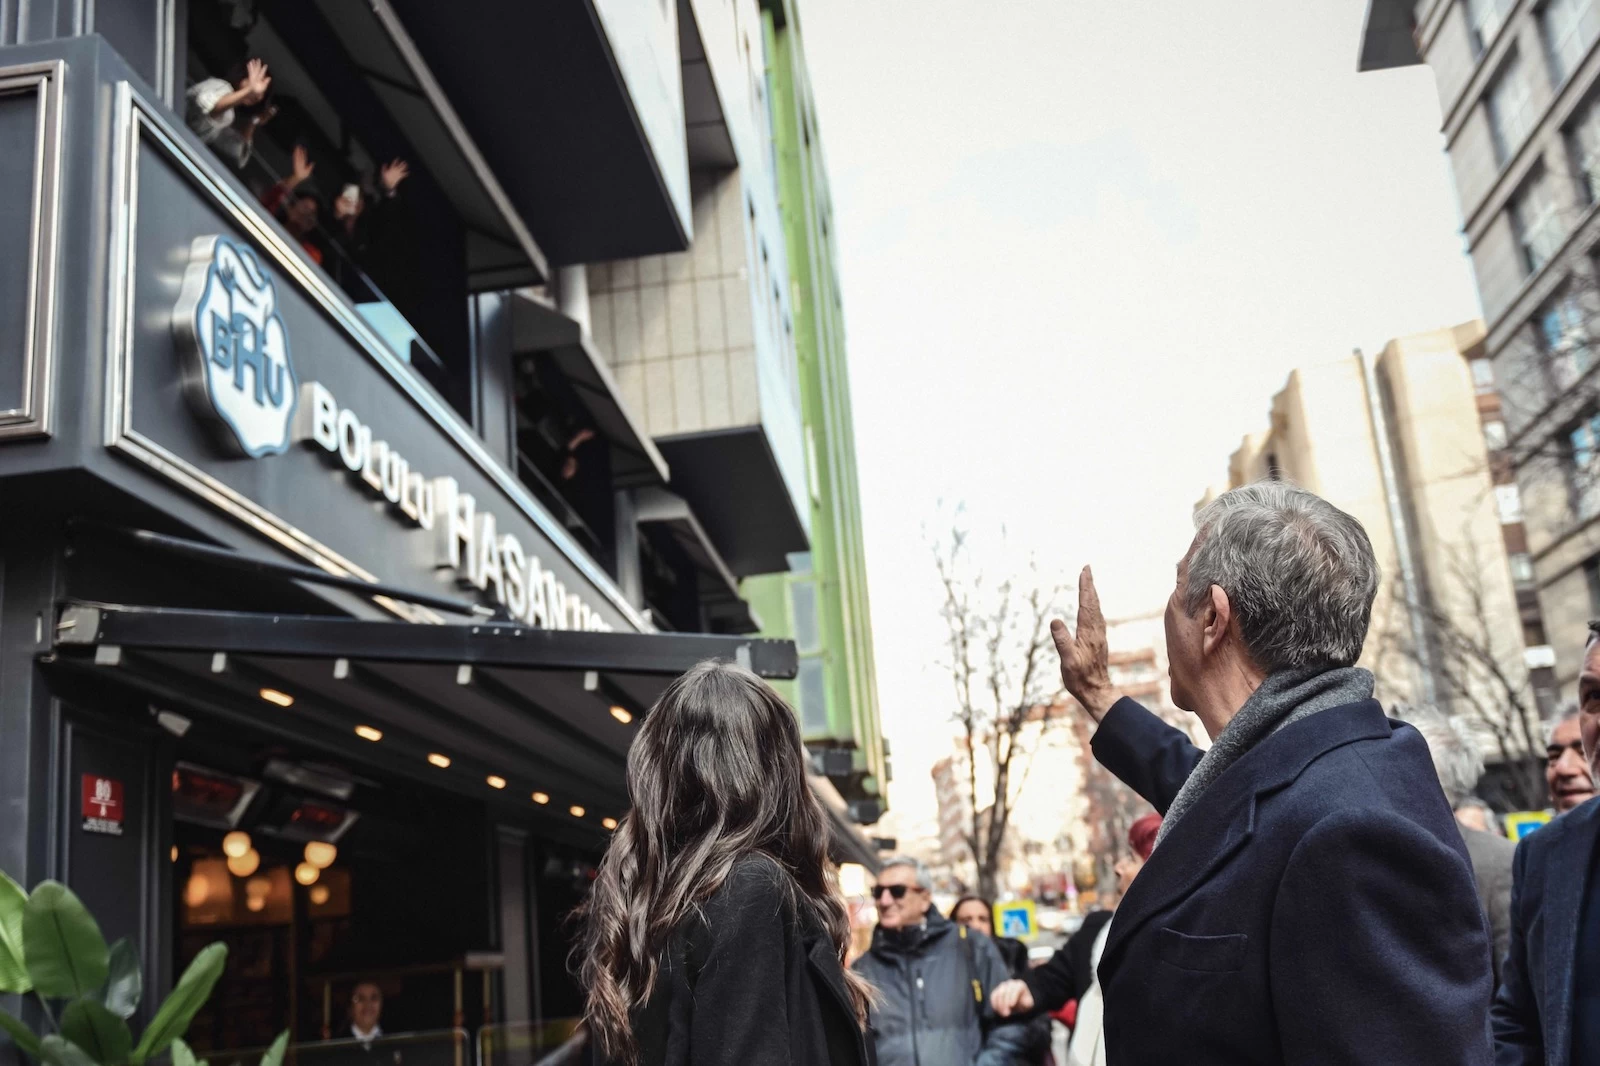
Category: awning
[545,713]
[718,588]
[1388,38]
[538,328]
[754,528]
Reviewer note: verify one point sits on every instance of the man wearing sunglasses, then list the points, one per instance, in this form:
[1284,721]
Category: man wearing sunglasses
[935,978]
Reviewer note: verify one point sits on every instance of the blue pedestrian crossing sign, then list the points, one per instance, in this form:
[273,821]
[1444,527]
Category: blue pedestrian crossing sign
[1015,918]
[1520,823]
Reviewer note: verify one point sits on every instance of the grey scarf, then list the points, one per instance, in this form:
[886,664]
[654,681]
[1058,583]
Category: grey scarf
[1283,698]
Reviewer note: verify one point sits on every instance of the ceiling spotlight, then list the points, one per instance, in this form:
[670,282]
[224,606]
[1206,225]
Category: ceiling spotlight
[366,732]
[307,874]
[244,865]
[320,853]
[576,811]
[622,714]
[609,823]
[541,797]
[441,761]
[282,699]
[235,844]
[496,781]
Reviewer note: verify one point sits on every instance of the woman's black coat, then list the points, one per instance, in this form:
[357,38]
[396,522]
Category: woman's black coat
[752,980]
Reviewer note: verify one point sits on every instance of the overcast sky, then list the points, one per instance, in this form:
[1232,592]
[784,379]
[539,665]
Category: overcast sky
[1082,244]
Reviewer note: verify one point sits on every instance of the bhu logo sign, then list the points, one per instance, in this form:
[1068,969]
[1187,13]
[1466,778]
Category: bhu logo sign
[102,805]
[237,348]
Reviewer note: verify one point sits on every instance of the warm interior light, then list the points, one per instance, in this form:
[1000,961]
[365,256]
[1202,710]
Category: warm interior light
[320,853]
[609,823]
[174,853]
[282,699]
[197,891]
[622,714]
[496,781]
[441,761]
[258,887]
[235,844]
[244,865]
[306,874]
[577,812]
[366,732]
[541,797]
[319,895]
[255,904]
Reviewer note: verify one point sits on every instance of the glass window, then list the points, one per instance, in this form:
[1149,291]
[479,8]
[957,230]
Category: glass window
[803,601]
[1583,142]
[1511,110]
[1584,440]
[1570,27]
[811,687]
[1522,569]
[1537,222]
[1509,503]
[1494,435]
[1486,17]
[1482,375]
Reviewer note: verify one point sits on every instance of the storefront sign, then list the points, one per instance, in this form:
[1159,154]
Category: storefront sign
[466,538]
[238,370]
[270,355]
[102,805]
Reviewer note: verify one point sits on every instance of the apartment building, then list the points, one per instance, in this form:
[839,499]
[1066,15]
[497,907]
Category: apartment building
[1399,443]
[1520,115]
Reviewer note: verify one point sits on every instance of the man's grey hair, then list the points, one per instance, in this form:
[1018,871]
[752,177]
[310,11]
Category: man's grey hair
[1300,574]
[924,879]
[1457,759]
[1567,713]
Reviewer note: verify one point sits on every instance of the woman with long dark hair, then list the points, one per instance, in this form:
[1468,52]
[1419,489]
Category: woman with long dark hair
[715,933]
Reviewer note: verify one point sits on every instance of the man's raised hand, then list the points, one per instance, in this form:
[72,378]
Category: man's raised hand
[1009,996]
[1084,655]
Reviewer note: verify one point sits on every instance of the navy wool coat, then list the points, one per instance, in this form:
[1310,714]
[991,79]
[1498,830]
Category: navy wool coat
[1533,1010]
[1314,905]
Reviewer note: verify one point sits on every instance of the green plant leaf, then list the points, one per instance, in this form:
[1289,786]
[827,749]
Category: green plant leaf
[178,1009]
[125,984]
[66,954]
[88,1024]
[274,1055]
[20,1034]
[182,1054]
[54,1051]
[13,968]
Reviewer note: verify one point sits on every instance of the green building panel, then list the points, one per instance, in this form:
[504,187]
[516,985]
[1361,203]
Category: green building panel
[821,603]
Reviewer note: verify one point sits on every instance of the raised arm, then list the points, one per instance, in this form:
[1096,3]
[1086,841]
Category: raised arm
[1150,756]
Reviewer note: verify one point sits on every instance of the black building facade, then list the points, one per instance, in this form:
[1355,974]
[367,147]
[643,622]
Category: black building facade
[292,556]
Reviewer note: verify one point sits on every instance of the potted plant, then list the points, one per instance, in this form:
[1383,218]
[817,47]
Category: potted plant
[50,945]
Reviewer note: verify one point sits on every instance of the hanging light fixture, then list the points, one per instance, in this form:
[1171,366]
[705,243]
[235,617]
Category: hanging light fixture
[235,844]
[197,891]
[609,823]
[622,714]
[496,781]
[255,904]
[307,874]
[541,798]
[319,895]
[258,886]
[244,865]
[320,853]
[576,811]
[441,761]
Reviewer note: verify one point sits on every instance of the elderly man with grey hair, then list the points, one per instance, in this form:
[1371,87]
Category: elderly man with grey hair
[1309,898]
[1459,763]
[934,978]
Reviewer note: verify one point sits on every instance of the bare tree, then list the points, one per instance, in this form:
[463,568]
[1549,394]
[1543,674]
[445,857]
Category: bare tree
[1478,669]
[1001,663]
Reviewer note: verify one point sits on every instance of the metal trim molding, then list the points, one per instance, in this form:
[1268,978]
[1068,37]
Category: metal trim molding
[136,121]
[35,417]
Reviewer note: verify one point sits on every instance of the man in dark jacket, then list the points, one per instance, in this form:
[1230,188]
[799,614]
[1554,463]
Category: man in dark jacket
[934,977]
[1547,1011]
[1309,898]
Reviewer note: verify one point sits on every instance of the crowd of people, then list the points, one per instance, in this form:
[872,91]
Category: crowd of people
[1318,886]
[361,237]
